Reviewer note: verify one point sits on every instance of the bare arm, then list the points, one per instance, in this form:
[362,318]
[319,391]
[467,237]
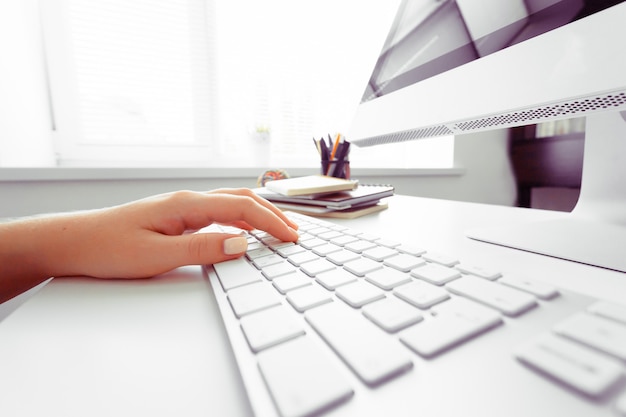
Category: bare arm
[135,240]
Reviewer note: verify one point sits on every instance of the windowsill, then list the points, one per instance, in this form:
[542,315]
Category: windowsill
[11,174]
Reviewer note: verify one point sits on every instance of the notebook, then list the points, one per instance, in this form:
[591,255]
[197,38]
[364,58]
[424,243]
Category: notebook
[348,213]
[364,193]
[310,184]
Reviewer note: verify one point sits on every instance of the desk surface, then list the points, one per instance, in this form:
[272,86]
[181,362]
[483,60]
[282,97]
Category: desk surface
[157,347]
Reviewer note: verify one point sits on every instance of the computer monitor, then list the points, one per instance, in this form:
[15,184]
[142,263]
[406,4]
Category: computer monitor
[456,67]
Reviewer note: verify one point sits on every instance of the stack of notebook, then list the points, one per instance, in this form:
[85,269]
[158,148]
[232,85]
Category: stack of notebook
[324,196]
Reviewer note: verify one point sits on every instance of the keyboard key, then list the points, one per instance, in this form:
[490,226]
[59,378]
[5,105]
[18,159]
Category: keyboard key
[343,240]
[311,243]
[505,299]
[392,314]
[366,349]
[359,246]
[270,327]
[317,267]
[318,230]
[304,236]
[290,250]
[575,365]
[596,332]
[421,294]
[235,273]
[362,266]
[342,257]
[326,249]
[302,257]
[435,274]
[359,293]
[331,234]
[454,322]
[270,240]
[255,245]
[440,258]
[388,243]
[276,270]
[251,298]
[387,278]
[276,244]
[539,289]
[257,253]
[335,278]
[286,283]
[260,234]
[404,262]
[268,260]
[301,378]
[379,253]
[308,297]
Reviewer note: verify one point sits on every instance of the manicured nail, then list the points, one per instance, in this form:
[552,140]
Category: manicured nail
[235,245]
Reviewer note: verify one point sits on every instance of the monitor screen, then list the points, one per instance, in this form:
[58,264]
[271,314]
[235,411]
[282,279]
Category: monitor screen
[452,67]
[433,36]
[458,66]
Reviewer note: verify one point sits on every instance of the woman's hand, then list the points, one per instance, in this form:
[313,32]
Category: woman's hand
[135,240]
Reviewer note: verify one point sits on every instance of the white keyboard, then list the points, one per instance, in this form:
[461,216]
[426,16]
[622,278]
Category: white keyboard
[347,323]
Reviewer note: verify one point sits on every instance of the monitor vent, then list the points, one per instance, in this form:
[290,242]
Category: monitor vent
[406,135]
[575,108]
[615,100]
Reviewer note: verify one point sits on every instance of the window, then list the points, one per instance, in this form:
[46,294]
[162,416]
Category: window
[213,82]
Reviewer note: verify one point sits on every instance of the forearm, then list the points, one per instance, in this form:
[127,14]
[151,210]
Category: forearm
[28,249]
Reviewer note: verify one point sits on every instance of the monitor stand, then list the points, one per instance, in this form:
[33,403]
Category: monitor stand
[594,233]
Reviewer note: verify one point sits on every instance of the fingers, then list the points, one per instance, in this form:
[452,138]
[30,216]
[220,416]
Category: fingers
[258,216]
[240,207]
[249,193]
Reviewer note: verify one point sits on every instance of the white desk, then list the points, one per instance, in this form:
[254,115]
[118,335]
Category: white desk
[157,347]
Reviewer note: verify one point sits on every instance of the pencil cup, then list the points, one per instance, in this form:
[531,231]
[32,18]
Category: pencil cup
[336,168]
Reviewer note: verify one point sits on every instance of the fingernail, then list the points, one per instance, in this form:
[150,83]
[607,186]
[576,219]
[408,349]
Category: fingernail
[235,245]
